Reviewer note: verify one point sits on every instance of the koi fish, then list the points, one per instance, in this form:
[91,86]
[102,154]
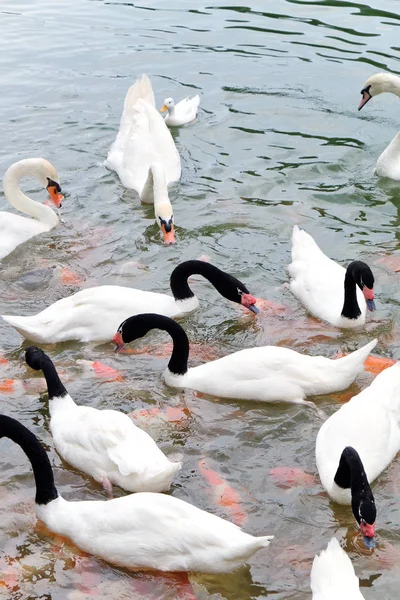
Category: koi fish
[224,494]
[288,477]
[102,370]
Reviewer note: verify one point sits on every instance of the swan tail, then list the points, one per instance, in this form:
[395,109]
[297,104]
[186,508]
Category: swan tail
[140,89]
[304,246]
[332,571]
[24,326]
[355,360]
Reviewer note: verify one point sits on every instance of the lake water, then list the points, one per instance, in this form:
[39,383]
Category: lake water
[278,141]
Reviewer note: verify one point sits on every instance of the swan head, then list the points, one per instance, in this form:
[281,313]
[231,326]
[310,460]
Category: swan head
[165,220]
[134,328]
[378,84]
[48,177]
[365,514]
[364,278]
[168,105]
[34,357]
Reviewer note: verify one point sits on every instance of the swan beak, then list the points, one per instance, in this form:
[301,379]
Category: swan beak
[366,97]
[249,302]
[369,297]
[368,532]
[118,341]
[163,108]
[55,195]
[168,233]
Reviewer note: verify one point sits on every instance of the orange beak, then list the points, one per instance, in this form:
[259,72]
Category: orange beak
[164,108]
[56,197]
[169,236]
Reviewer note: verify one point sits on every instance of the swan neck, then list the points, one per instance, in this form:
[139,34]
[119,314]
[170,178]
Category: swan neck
[160,188]
[351,309]
[42,471]
[19,200]
[55,386]
[179,278]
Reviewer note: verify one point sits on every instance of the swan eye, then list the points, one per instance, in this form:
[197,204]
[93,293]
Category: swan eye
[240,292]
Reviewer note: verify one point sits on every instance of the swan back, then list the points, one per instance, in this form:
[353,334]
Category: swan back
[332,575]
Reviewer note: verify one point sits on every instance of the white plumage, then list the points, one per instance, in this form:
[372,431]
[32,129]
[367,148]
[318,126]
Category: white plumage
[369,423]
[181,113]
[318,282]
[332,575]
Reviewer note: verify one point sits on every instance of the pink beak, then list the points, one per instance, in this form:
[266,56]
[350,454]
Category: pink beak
[367,530]
[366,97]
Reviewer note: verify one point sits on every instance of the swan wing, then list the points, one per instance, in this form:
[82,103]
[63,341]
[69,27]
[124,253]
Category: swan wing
[332,575]
[16,229]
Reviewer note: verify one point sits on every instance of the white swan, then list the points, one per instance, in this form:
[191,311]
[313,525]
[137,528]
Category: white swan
[144,154]
[14,229]
[327,290]
[388,164]
[94,314]
[358,442]
[138,531]
[104,444]
[183,112]
[268,374]
[332,575]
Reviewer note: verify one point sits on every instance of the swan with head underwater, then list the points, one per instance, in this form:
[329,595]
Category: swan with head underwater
[104,444]
[183,112]
[357,443]
[94,314]
[332,575]
[144,154]
[267,374]
[137,531]
[329,291]
[14,229]
[388,164]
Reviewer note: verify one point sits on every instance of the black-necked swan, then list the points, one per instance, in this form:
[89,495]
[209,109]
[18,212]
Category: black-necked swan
[388,164]
[144,154]
[94,314]
[332,575]
[357,443]
[14,229]
[268,374]
[329,291]
[181,113]
[138,531]
[104,444]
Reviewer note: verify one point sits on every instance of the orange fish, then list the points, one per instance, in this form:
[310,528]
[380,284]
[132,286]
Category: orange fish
[288,477]
[225,495]
[372,364]
[69,277]
[172,414]
[106,372]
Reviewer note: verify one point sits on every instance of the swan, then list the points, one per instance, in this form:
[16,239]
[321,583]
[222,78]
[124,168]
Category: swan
[138,531]
[268,374]
[144,154]
[388,164]
[332,575]
[183,112]
[16,229]
[104,444]
[327,290]
[94,314]
[357,443]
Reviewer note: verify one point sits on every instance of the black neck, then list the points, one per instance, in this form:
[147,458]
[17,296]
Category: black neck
[219,279]
[18,433]
[350,309]
[139,325]
[351,474]
[55,387]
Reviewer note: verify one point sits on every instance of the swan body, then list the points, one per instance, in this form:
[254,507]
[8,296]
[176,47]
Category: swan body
[144,154]
[332,575]
[319,283]
[268,374]
[14,229]
[370,423]
[104,444]
[138,531]
[183,112]
[388,164]
[94,314]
